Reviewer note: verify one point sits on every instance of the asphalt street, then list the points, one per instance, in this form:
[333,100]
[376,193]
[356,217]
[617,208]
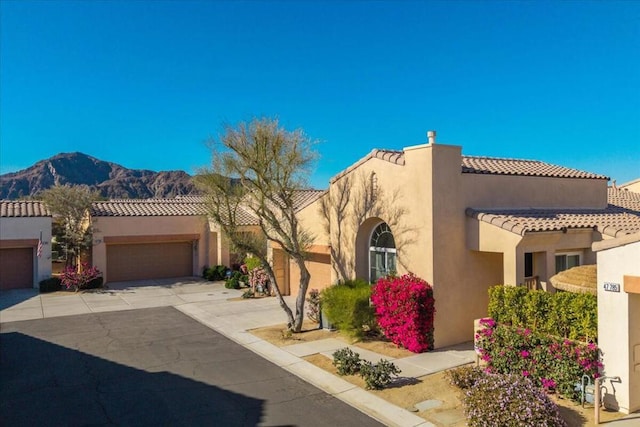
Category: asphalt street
[148,367]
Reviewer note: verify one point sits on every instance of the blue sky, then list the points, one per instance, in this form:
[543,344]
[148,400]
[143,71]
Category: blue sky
[145,84]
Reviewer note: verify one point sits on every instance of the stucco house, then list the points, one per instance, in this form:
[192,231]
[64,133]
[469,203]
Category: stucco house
[619,319]
[463,223]
[136,239]
[25,249]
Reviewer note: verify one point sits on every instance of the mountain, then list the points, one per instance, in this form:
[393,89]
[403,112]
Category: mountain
[111,180]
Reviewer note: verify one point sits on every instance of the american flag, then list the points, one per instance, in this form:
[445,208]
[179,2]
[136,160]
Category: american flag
[39,249]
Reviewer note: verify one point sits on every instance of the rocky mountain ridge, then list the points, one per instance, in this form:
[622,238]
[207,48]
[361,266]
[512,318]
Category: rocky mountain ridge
[111,180]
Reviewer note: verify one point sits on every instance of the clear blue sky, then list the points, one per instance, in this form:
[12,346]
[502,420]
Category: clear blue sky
[146,83]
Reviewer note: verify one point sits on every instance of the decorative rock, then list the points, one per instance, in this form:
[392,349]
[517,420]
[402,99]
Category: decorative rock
[428,404]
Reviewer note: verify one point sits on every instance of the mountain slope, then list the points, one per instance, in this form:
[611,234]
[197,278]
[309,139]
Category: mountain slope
[109,179]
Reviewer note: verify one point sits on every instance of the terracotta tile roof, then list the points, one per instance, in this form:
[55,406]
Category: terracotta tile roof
[497,166]
[304,198]
[392,156]
[620,217]
[148,207]
[486,165]
[183,206]
[23,208]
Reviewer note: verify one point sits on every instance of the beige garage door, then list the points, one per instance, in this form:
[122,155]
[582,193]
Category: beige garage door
[149,261]
[16,268]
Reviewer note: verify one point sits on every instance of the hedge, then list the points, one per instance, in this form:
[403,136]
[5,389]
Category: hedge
[563,314]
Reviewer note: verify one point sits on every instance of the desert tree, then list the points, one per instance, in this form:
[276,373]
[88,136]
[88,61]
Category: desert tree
[257,168]
[70,206]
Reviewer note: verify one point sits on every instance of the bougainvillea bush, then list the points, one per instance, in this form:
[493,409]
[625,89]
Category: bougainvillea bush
[509,401]
[550,362]
[404,307]
[71,278]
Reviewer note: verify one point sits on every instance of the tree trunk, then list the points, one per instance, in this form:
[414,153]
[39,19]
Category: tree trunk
[305,277]
[276,288]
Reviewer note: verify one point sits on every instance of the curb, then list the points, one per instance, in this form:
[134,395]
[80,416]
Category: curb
[367,403]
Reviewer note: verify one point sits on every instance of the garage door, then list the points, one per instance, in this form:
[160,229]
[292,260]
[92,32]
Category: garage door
[149,261]
[16,268]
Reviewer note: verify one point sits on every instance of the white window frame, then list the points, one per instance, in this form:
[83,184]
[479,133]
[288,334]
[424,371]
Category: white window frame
[377,249]
[568,254]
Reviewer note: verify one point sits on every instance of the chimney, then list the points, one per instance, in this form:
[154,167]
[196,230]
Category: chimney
[431,135]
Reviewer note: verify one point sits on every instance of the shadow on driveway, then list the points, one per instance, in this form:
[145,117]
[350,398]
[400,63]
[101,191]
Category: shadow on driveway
[47,384]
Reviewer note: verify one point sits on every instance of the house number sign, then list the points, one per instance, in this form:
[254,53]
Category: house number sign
[611,287]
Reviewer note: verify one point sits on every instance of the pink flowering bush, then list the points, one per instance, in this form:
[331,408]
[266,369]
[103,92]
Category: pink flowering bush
[259,280]
[71,278]
[550,362]
[404,307]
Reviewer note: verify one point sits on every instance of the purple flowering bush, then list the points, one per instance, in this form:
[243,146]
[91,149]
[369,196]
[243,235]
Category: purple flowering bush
[552,363]
[88,277]
[509,401]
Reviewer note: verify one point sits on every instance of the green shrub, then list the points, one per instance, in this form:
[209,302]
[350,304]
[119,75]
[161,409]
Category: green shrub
[216,273]
[379,375]
[348,309]
[52,284]
[464,377]
[346,361]
[95,283]
[233,282]
[248,294]
[252,262]
[564,314]
[509,401]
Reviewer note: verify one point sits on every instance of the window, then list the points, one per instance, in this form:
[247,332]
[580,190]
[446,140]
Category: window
[528,264]
[382,253]
[567,261]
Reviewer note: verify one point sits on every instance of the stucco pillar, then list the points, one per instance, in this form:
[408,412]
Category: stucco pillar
[510,267]
[619,325]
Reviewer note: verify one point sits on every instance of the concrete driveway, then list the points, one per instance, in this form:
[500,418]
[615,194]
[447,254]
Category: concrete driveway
[26,304]
[152,366]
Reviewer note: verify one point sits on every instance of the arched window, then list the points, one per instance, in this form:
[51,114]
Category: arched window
[382,253]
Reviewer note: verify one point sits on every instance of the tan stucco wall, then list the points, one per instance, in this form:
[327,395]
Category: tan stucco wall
[632,186]
[619,326]
[505,191]
[105,227]
[424,206]
[16,229]
[424,203]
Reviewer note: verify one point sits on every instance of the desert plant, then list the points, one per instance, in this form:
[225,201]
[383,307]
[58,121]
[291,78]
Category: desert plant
[550,362]
[378,376]
[346,361]
[233,282]
[464,377]
[405,308]
[52,284]
[252,262]
[347,307]
[72,278]
[219,272]
[313,305]
[509,401]
[259,280]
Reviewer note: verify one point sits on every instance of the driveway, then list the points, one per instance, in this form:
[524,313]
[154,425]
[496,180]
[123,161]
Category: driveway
[152,366]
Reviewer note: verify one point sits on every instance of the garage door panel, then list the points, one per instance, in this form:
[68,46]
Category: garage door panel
[149,261]
[16,268]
